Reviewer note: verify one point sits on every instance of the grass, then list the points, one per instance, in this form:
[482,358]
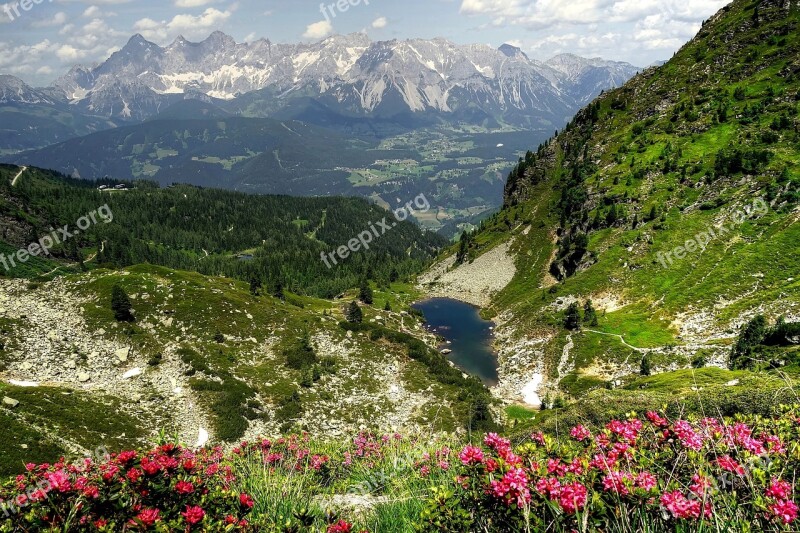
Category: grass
[88,421]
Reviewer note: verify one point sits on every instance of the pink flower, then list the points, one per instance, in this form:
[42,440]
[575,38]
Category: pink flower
[572,497]
[617,482]
[538,438]
[646,481]
[513,488]
[580,433]
[549,487]
[728,464]
[471,455]
[193,514]
[657,420]
[785,511]
[780,490]
[700,484]
[688,436]
[495,442]
[59,481]
[682,507]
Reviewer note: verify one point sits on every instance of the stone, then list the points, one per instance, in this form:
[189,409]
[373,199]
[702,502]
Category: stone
[101,331]
[71,365]
[26,366]
[10,402]
[132,373]
[84,377]
[122,354]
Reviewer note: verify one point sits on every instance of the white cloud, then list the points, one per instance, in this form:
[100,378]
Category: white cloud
[380,23]
[193,3]
[187,25]
[58,19]
[318,30]
[609,28]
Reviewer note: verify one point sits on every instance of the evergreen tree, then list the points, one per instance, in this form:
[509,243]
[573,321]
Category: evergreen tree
[121,304]
[644,368]
[277,291]
[572,320]
[353,313]
[463,248]
[388,306]
[394,275]
[752,334]
[365,293]
[589,314]
[255,286]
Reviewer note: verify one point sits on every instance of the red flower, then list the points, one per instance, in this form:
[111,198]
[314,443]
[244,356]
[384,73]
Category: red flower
[193,514]
[726,463]
[133,475]
[150,467]
[340,527]
[149,516]
[246,500]
[184,487]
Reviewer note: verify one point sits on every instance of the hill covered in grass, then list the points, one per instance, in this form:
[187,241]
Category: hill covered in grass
[661,220]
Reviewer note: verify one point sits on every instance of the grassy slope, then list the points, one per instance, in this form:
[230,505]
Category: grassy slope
[249,364]
[667,115]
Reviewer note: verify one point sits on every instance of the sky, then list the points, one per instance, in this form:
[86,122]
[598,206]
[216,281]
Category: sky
[42,42]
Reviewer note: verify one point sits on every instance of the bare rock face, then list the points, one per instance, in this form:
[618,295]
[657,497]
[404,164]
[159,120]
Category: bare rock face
[349,71]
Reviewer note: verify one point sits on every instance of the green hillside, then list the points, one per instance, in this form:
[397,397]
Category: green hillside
[275,240]
[702,153]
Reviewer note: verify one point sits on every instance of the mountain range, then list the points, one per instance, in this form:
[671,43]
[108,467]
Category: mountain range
[389,119]
[347,74]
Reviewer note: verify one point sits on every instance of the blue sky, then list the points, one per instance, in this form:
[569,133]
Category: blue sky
[43,42]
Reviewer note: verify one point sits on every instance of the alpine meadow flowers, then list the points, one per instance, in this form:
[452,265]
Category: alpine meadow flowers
[631,475]
[640,474]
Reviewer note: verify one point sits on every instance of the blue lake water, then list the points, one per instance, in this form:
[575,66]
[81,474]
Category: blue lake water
[470,336]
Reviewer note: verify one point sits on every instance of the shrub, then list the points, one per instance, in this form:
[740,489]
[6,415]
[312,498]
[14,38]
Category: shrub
[121,304]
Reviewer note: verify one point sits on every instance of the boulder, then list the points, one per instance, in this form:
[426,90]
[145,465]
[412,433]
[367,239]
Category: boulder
[10,402]
[122,354]
[84,377]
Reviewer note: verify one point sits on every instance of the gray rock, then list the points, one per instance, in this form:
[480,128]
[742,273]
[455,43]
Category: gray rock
[84,377]
[10,402]
[122,354]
